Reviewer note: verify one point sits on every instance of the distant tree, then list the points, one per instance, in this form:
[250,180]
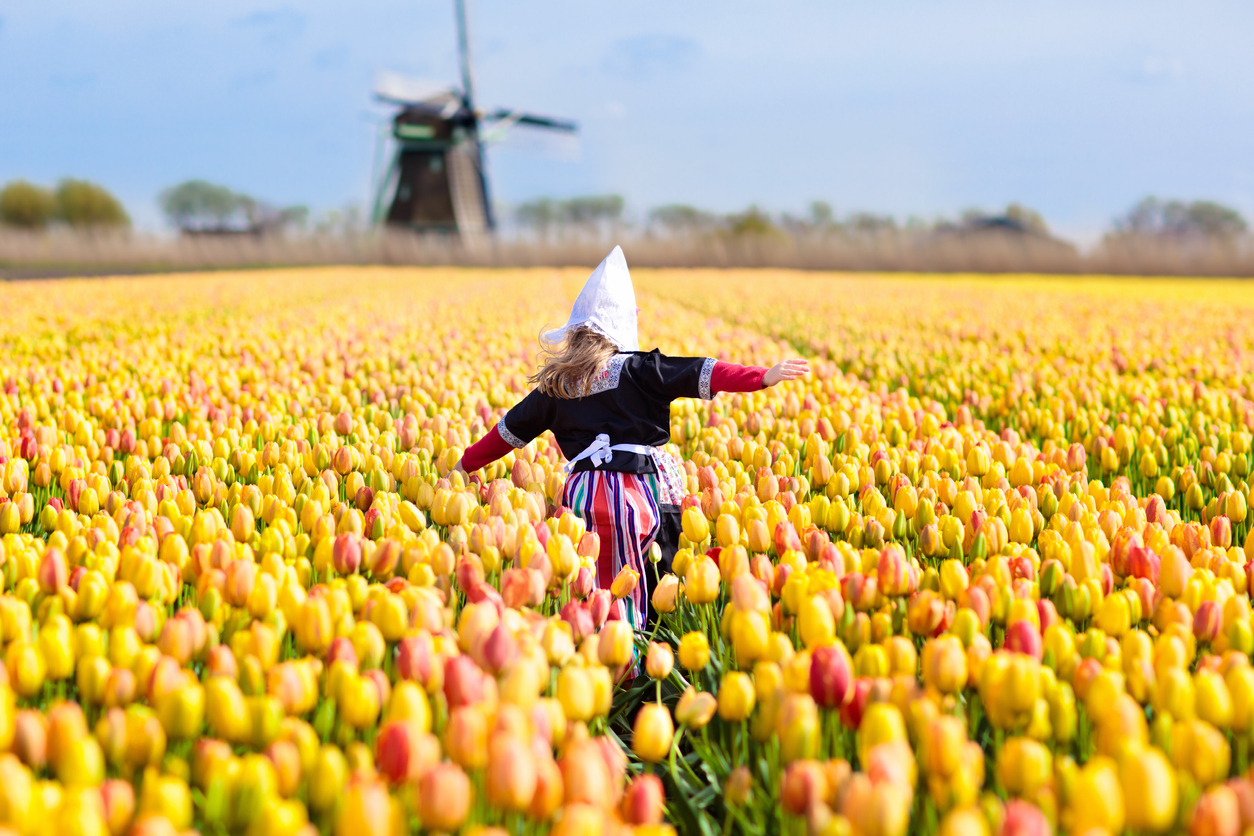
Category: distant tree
[1216,219]
[819,219]
[539,215]
[588,214]
[200,205]
[593,210]
[297,216]
[679,219]
[1029,219]
[83,204]
[348,220]
[1015,216]
[26,205]
[750,223]
[264,217]
[869,223]
[1177,219]
[821,214]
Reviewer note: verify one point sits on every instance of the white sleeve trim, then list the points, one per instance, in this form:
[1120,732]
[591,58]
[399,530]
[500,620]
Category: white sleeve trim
[510,439]
[707,374]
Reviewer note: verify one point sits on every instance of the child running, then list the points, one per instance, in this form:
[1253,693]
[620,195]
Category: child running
[608,406]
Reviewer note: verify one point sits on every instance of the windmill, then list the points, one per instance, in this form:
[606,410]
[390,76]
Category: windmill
[436,181]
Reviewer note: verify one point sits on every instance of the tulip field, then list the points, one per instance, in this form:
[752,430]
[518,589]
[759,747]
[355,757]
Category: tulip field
[986,571]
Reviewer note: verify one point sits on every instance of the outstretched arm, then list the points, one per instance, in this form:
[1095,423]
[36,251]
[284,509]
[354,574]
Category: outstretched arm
[484,451]
[729,377]
[526,420]
[785,370]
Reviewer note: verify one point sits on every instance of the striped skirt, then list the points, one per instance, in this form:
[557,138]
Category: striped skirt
[622,509]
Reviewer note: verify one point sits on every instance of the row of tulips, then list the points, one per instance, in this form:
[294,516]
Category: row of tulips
[244,592]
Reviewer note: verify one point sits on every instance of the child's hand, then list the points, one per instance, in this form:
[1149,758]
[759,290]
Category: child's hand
[786,370]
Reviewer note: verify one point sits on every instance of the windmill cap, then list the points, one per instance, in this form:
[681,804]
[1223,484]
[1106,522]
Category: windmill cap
[607,305]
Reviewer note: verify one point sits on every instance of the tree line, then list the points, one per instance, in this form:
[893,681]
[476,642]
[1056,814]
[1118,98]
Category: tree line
[194,206]
[201,207]
[594,215]
[75,203]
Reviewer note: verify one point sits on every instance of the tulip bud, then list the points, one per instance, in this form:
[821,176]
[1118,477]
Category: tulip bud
[1023,766]
[599,603]
[831,675]
[575,693]
[803,785]
[660,661]
[578,616]
[1217,813]
[695,708]
[500,649]
[53,573]
[701,581]
[735,696]
[512,776]
[665,594]
[694,651]
[652,733]
[463,681]
[624,583]
[945,664]
[466,737]
[615,647]
[695,526]
[1149,784]
[366,809]
[1096,799]
[1022,818]
[396,752]
[643,800]
[327,779]
[118,799]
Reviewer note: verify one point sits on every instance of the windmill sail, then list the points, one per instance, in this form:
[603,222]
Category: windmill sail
[437,181]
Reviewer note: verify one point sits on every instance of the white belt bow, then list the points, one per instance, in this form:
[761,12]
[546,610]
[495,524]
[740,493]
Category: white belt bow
[601,451]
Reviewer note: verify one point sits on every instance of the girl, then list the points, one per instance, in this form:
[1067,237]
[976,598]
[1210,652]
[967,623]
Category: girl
[608,405]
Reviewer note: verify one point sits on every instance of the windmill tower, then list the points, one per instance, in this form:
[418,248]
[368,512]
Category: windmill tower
[436,181]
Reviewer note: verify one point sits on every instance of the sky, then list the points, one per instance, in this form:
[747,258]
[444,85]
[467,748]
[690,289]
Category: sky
[905,107]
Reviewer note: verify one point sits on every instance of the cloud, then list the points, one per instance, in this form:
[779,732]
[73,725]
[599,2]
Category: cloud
[646,57]
[276,26]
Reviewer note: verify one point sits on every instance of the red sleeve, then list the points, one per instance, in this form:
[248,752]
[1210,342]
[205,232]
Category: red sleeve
[485,451]
[728,377]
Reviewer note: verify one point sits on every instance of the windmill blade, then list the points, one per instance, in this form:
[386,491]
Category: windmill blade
[514,117]
[532,141]
[398,89]
[463,44]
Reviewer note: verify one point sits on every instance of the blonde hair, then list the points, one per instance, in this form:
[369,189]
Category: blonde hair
[571,365]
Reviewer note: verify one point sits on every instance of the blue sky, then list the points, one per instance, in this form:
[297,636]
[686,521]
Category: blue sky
[924,108]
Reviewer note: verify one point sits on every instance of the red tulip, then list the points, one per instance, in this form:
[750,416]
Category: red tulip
[1023,637]
[830,676]
[643,800]
[415,658]
[463,681]
[500,649]
[599,603]
[346,553]
[1023,818]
